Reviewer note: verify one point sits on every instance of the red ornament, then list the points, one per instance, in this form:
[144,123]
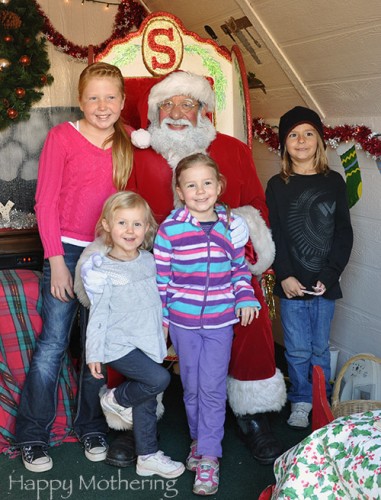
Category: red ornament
[20,92]
[27,40]
[8,38]
[24,60]
[43,79]
[5,103]
[12,113]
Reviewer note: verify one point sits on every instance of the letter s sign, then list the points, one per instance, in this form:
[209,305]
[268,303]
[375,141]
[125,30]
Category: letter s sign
[162,47]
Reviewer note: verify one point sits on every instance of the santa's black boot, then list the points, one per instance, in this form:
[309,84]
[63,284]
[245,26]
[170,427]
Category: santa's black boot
[121,452]
[256,432]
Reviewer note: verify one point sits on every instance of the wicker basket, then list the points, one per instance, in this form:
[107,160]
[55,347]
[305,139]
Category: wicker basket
[343,408]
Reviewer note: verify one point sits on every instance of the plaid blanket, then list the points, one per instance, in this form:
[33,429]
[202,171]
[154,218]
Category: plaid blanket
[20,324]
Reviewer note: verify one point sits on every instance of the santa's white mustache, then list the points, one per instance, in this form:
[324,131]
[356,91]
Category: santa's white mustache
[171,121]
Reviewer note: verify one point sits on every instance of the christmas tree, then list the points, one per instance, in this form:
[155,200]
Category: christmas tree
[24,62]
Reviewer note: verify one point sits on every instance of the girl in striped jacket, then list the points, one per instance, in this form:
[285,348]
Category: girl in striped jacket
[205,288]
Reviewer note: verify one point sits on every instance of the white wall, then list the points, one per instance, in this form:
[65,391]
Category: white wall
[357,323]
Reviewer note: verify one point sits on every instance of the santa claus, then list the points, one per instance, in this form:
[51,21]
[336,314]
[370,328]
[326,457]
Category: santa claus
[179,108]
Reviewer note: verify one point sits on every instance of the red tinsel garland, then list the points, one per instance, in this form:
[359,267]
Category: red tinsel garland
[363,137]
[129,14]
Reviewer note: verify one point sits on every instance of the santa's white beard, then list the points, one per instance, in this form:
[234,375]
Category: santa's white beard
[175,145]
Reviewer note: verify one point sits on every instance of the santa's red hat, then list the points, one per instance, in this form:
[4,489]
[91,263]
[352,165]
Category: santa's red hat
[181,83]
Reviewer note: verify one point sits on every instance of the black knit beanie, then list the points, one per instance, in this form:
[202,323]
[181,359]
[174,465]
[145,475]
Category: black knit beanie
[295,117]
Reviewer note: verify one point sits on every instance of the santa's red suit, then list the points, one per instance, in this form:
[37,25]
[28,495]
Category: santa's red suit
[254,385]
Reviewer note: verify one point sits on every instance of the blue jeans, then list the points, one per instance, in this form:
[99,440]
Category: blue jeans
[145,380]
[38,403]
[306,328]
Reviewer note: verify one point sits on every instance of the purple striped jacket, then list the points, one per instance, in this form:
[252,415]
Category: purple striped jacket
[202,278]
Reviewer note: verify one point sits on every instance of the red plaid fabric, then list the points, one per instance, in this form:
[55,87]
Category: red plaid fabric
[20,325]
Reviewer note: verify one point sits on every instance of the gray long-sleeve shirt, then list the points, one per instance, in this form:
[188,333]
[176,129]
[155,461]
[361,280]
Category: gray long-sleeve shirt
[127,315]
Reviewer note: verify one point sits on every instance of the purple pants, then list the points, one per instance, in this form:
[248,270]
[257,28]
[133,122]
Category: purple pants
[204,356]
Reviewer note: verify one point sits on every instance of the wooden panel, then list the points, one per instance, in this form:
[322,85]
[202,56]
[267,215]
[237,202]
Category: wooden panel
[350,98]
[194,13]
[347,325]
[358,289]
[19,241]
[352,55]
[292,20]
[269,71]
[274,103]
[367,243]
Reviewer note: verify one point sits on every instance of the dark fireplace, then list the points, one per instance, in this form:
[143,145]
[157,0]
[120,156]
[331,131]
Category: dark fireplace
[20,249]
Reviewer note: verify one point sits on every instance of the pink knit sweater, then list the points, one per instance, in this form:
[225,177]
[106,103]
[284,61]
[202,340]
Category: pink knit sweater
[74,180]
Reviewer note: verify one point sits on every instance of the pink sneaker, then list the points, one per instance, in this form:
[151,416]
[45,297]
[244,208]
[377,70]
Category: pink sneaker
[207,477]
[193,459]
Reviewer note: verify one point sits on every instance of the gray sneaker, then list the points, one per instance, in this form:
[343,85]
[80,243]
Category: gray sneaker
[299,415]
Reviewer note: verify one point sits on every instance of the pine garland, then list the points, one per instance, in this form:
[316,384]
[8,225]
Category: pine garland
[129,14]
[24,62]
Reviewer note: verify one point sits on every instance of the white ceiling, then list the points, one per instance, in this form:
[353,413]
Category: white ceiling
[322,53]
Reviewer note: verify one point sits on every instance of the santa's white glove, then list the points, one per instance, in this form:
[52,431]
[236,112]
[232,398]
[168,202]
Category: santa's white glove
[141,138]
[93,280]
[239,231]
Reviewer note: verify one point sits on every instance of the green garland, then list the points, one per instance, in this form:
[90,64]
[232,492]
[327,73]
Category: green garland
[215,70]
[24,62]
[124,55]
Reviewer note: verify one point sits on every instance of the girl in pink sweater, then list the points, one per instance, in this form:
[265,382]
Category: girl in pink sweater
[81,165]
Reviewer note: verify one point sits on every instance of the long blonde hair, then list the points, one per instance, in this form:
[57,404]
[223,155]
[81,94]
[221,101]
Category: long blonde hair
[122,151]
[320,161]
[126,200]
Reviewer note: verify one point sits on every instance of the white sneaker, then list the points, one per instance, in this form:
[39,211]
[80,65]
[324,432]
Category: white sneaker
[299,415]
[110,405]
[159,464]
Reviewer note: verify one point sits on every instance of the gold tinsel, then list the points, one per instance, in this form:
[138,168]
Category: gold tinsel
[267,283]
[10,20]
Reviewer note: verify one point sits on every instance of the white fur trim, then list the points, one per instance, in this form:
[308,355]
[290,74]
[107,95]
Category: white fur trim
[247,397]
[114,422]
[141,138]
[261,237]
[160,406]
[96,246]
[180,83]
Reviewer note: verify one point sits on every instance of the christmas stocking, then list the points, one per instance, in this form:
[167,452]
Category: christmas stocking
[349,161]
